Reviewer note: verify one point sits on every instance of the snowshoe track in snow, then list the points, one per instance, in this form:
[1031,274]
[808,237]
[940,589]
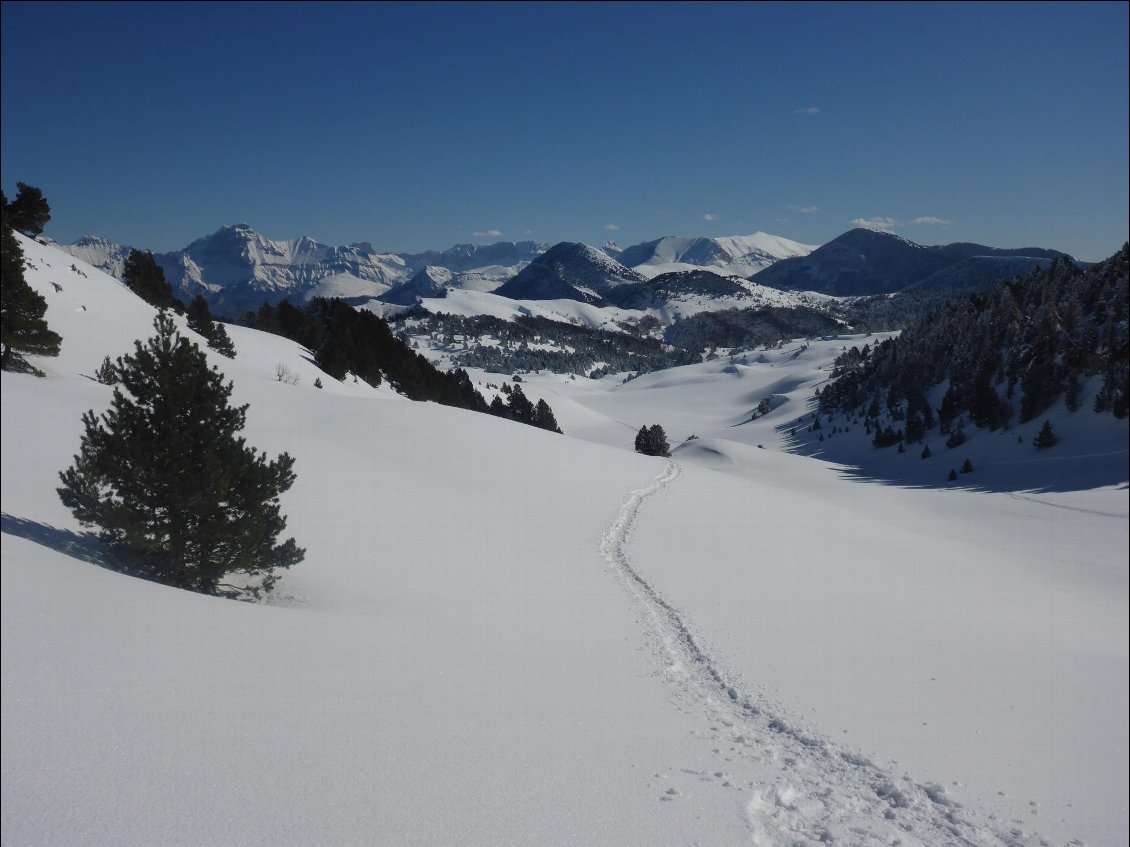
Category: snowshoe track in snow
[800,788]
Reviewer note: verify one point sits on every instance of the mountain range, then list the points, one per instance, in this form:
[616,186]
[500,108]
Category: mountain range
[237,269]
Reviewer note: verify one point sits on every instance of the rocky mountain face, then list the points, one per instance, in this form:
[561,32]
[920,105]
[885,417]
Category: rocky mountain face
[238,269]
[865,262]
[100,252]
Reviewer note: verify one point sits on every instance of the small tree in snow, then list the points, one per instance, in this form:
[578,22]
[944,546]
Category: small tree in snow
[176,493]
[1046,437]
[652,441]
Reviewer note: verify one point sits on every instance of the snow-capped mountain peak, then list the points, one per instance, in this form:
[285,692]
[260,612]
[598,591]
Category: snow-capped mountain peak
[735,255]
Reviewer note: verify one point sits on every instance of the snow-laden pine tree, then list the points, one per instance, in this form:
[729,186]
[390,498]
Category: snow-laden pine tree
[176,493]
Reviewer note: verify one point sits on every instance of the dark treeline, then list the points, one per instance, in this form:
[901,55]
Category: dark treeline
[347,340]
[1015,350]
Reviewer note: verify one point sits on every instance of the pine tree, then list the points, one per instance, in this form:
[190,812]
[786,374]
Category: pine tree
[22,325]
[543,417]
[199,315]
[652,441]
[29,212]
[177,495]
[106,374]
[221,342]
[520,407]
[1046,437]
[144,277]
[200,320]
[967,466]
[956,438]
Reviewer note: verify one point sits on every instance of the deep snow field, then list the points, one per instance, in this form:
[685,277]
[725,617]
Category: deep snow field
[502,635]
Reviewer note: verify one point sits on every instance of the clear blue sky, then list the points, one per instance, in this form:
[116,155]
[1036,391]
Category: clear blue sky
[417,126]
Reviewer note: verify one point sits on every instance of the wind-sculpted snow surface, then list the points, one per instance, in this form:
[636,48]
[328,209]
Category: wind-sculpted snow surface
[801,788]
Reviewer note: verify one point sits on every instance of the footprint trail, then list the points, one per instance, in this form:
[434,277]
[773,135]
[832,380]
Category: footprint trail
[799,788]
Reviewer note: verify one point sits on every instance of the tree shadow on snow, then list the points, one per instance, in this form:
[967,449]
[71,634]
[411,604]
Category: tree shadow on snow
[83,546]
[1040,474]
[1023,469]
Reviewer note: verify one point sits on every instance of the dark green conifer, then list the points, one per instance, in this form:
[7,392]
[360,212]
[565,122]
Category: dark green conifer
[652,441]
[144,277]
[23,328]
[520,407]
[176,493]
[29,212]
[1045,438]
[543,417]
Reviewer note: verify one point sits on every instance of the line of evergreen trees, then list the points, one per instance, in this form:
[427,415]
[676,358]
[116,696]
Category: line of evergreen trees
[518,407]
[1012,351]
[347,340]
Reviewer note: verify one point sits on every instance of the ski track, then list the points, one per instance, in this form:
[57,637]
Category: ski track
[1101,514]
[801,789]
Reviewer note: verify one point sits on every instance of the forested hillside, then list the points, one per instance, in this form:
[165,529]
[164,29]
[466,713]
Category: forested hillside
[1010,353]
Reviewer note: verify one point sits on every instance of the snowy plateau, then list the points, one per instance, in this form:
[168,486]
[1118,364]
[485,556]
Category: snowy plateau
[505,636]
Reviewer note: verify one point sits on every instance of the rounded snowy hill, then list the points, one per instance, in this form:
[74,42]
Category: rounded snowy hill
[736,255]
[568,271]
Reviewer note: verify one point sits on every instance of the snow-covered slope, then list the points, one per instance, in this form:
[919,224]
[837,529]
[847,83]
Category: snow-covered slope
[501,635]
[568,271]
[735,255]
[681,294]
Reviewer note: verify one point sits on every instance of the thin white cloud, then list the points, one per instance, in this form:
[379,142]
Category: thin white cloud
[930,220]
[805,210]
[709,217]
[877,223]
[611,227]
[490,233]
[807,110]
